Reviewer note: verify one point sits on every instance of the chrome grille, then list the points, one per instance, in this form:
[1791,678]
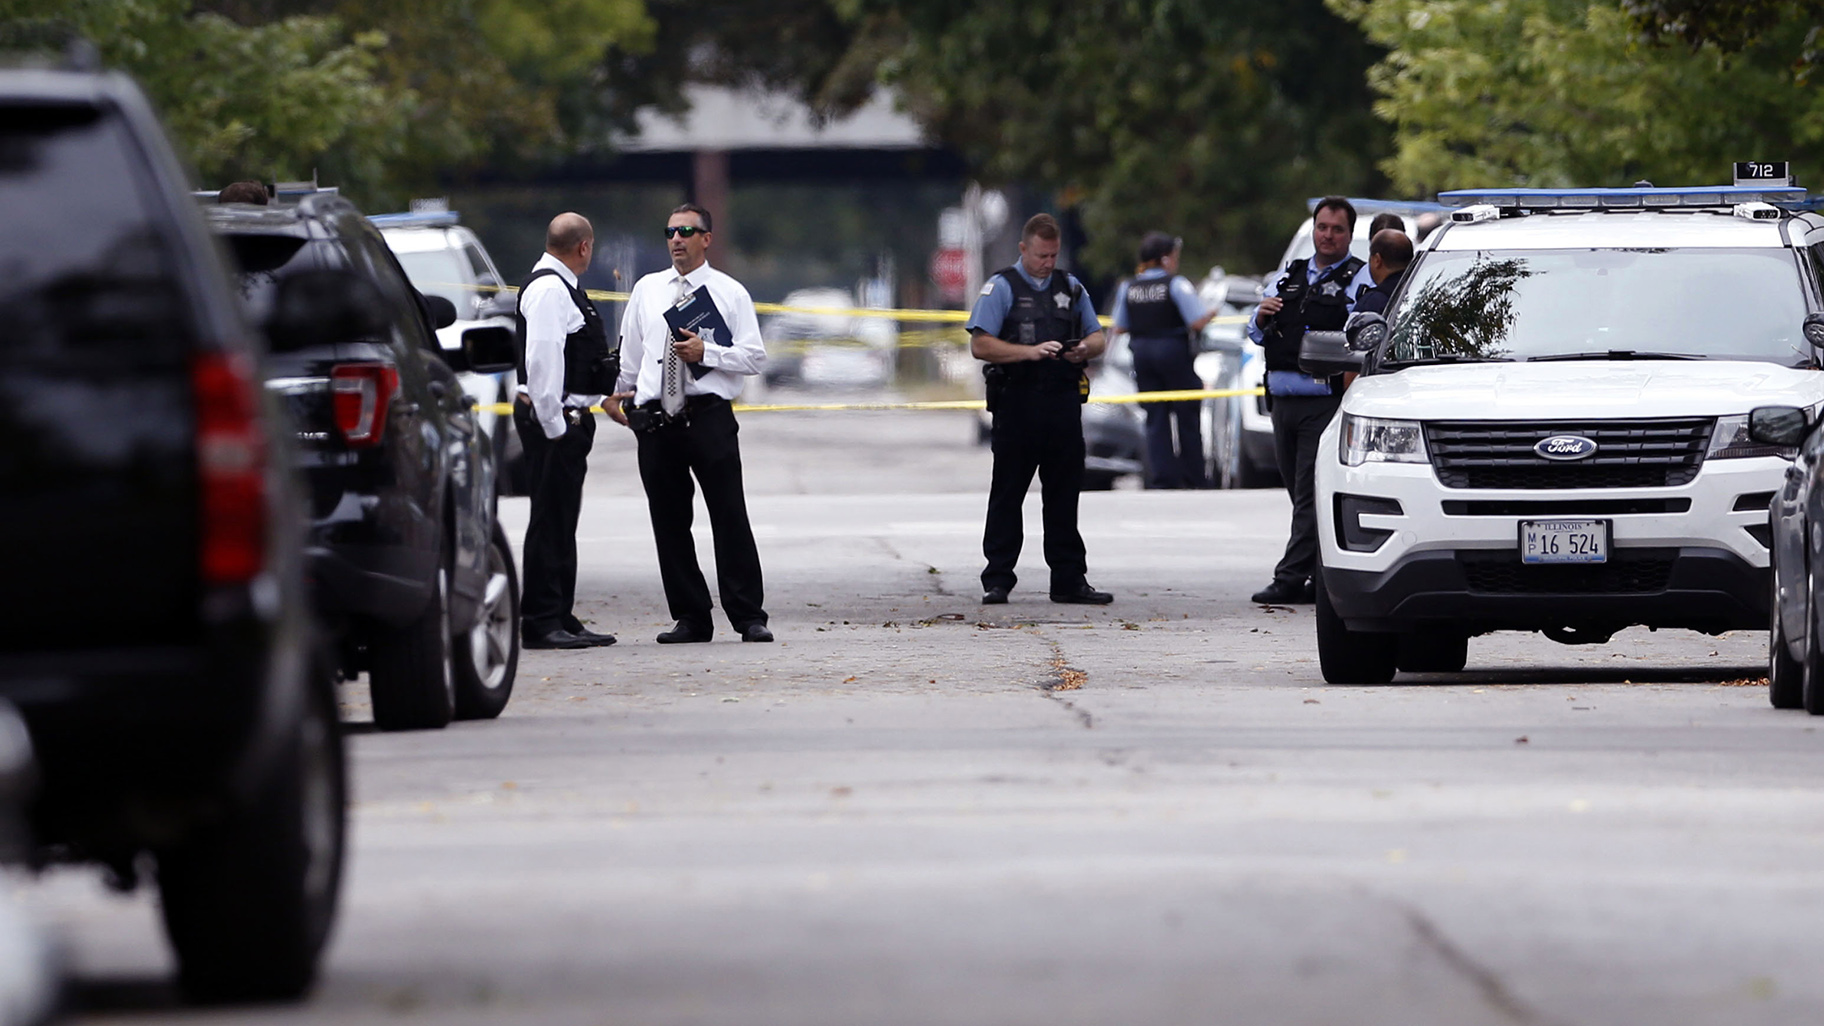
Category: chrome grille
[1629,453]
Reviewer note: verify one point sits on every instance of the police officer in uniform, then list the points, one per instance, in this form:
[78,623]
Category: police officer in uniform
[1161,314]
[565,367]
[1315,294]
[1389,253]
[1036,329]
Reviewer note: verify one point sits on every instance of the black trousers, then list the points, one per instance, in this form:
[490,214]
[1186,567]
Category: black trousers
[1164,365]
[1298,420]
[554,472]
[705,445]
[1036,432]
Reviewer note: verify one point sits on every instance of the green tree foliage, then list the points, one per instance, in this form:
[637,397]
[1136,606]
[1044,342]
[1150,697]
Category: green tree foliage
[380,97]
[267,100]
[1568,92]
[1208,119]
[1732,25]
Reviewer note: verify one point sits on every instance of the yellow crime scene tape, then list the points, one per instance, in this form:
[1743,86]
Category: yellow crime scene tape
[943,316]
[1183,395]
[907,340]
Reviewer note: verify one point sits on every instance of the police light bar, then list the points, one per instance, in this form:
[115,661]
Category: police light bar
[417,219]
[1636,198]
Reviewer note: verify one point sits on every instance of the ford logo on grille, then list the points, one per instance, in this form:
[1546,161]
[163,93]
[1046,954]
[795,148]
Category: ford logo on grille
[1565,447]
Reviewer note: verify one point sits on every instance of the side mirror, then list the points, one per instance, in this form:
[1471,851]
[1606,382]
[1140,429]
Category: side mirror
[440,309]
[490,350]
[1325,354]
[1784,426]
[325,307]
[1365,331]
[1814,330]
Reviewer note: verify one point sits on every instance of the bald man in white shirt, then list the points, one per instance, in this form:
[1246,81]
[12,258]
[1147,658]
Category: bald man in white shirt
[564,356]
[682,391]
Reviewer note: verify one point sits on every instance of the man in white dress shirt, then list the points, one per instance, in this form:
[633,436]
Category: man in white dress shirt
[565,366]
[682,389]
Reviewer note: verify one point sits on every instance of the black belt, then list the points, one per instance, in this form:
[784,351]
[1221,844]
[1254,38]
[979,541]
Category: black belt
[691,402]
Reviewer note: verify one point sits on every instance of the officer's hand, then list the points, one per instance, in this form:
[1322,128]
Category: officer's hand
[1268,307]
[1047,350]
[690,350]
[612,407]
[1078,353]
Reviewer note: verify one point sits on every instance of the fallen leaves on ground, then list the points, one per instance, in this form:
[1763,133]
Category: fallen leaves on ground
[1744,682]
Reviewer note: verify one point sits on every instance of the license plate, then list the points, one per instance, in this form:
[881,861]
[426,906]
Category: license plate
[1564,541]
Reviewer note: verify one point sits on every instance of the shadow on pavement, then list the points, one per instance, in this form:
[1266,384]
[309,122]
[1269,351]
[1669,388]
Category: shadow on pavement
[1583,676]
[121,994]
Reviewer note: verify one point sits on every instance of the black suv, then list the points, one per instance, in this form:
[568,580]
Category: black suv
[411,571]
[160,641]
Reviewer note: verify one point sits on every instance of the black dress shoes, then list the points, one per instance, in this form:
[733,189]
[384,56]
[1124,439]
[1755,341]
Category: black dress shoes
[597,640]
[556,639]
[1284,593]
[1083,595]
[684,632]
[994,597]
[756,632]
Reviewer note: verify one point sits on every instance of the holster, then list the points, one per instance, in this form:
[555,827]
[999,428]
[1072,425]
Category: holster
[647,418]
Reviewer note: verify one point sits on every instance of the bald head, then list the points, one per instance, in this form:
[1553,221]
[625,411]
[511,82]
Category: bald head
[571,240]
[567,232]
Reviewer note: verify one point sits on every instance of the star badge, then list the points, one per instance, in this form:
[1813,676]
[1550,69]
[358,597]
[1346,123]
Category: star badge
[1063,301]
[1332,288]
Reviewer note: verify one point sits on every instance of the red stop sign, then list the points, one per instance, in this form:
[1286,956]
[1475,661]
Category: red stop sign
[949,271]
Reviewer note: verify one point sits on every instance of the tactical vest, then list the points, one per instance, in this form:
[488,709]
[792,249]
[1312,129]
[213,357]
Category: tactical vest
[1041,315]
[1151,311]
[1322,305]
[590,366]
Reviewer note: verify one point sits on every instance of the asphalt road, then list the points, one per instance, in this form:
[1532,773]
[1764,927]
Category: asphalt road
[916,810]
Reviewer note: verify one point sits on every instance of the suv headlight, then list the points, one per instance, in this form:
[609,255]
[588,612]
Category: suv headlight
[1730,441]
[1373,440]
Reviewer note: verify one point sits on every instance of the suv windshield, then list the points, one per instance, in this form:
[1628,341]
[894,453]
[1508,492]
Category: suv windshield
[1735,304]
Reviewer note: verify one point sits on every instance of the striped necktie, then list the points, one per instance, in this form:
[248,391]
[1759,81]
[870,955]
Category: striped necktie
[671,384]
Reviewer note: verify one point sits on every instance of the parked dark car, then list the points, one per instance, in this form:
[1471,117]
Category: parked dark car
[159,644]
[1795,644]
[1114,434]
[410,569]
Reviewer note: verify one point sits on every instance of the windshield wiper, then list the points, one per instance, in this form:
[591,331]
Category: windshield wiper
[1616,354]
[1448,358]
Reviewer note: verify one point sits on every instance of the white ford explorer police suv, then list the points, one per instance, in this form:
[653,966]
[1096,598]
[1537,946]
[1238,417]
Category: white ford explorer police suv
[1549,432]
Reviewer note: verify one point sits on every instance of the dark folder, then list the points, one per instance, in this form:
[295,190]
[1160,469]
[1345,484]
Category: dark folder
[697,312]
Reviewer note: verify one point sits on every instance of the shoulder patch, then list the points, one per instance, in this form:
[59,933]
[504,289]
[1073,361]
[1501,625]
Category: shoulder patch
[988,287]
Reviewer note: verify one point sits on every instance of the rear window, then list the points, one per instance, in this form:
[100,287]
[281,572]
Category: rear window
[83,265]
[443,272]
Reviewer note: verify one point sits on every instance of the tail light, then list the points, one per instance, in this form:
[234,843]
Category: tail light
[362,392]
[231,468]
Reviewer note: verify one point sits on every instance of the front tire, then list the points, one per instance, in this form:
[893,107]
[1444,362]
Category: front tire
[1811,664]
[248,903]
[486,656]
[410,679]
[1351,657]
[1785,675]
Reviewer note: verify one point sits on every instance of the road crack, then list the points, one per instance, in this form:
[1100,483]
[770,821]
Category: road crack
[1063,678]
[1486,982]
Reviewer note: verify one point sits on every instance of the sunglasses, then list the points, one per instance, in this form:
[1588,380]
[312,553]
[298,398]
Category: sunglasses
[685,230]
